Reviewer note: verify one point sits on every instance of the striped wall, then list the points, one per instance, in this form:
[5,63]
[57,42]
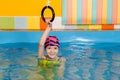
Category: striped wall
[36,23]
[91,11]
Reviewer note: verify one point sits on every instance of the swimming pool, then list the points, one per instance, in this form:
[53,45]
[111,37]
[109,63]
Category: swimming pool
[90,55]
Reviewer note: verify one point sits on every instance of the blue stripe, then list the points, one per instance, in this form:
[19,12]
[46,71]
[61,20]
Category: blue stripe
[109,12]
[94,11]
[64,11]
[79,11]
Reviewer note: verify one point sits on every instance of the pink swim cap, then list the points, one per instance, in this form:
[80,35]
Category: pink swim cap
[52,41]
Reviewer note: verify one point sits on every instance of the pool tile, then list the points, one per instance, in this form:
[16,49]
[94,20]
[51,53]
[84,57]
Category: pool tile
[6,22]
[95,27]
[20,22]
[57,23]
[108,27]
[34,23]
[83,27]
[117,27]
[43,25]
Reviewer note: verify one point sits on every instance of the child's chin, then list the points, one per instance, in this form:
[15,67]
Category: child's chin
[52,57]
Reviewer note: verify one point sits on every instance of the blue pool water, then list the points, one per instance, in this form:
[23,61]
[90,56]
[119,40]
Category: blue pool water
[89,56]
[84,61]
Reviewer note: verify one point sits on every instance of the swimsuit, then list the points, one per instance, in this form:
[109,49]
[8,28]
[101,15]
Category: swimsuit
[48,63]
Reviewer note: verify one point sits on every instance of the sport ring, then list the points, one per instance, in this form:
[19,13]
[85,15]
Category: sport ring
[53,13]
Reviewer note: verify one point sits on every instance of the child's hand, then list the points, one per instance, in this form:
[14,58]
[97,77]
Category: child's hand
[49,23]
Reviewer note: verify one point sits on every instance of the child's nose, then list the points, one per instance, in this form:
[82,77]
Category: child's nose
[52,50]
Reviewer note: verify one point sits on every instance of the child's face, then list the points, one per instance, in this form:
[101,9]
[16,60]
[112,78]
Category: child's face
[52,51]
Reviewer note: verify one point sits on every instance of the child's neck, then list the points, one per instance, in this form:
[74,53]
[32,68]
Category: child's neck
[49,58]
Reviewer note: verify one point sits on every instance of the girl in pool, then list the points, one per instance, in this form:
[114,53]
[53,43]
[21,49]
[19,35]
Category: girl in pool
[51,59]
[51,45]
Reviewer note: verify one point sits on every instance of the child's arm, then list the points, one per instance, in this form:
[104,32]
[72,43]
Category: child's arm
[61,67]
[42,41]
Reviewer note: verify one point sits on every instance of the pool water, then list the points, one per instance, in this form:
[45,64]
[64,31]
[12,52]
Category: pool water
[84,61]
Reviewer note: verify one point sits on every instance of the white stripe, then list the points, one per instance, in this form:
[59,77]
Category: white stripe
[71,27]
[57,23]
[117,27]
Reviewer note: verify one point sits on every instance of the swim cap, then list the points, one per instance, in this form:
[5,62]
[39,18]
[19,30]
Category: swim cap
[51,41]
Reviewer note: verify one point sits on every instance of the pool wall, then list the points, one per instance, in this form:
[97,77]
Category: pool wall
[27,18]
[66,36]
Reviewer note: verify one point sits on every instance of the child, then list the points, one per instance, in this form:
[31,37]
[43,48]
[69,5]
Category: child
[51,45]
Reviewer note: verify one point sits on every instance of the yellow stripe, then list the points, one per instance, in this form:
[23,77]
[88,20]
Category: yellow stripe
[104,12]
[118,14]
[74,11]
[95,27]
[34,23]
[27,7]
[89,12]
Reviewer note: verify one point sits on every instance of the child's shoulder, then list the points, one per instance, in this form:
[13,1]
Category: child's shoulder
[41,58]
[62,59]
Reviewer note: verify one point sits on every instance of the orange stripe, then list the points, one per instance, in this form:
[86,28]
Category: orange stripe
[43,25]
[108,27]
